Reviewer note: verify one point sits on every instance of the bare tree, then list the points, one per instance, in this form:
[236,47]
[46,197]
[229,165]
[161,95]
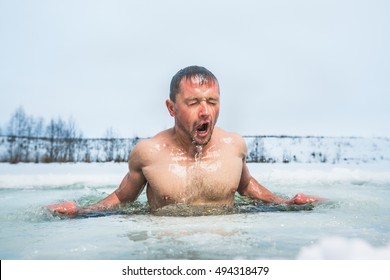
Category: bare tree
[110,143]
[55,134]
[38,132]
[70,136]
[18,133]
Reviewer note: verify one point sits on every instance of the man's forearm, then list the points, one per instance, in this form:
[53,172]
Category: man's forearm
[108,203]
[256,191]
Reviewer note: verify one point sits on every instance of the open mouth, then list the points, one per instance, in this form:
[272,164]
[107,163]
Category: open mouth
[202,129]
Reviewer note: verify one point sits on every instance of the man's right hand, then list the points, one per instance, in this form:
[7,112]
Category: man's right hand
[301,198]
[68,208]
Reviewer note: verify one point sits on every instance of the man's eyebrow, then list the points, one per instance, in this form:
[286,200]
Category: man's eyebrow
[191,98]
[200,98]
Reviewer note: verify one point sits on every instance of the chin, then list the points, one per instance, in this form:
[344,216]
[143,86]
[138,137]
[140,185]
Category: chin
[202,142]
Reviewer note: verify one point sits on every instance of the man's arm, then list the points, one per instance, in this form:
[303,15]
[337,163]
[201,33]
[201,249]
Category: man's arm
[128,191]
[253,189]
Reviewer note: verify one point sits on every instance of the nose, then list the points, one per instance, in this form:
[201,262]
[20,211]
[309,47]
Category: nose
[204,110]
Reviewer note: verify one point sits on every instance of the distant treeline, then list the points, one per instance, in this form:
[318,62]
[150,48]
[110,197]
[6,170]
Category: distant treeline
[15,149]
[262,149]
[27,139]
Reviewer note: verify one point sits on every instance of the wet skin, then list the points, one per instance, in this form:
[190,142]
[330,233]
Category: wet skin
[192,163]
[174,175]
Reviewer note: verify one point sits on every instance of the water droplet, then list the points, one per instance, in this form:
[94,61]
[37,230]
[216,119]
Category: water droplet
[199,152]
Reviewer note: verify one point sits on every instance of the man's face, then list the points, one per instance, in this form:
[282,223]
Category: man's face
[196,110]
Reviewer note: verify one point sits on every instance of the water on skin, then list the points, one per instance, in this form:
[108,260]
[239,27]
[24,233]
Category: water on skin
[198,153]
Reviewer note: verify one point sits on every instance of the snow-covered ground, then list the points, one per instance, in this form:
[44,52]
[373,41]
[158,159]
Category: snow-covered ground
[318,149]
[26,175]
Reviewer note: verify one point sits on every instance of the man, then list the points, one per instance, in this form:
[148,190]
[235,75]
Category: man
[193,163]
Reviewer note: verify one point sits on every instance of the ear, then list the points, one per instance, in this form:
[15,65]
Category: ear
[170,107]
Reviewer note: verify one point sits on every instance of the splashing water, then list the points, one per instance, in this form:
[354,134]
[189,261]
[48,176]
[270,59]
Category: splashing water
[199,152]
[198,148]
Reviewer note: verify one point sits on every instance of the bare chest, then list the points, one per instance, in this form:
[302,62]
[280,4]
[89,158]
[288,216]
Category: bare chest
[211,179]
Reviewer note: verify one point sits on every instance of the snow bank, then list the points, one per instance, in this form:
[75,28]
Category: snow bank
[340,248]
[102,174]
[27,175]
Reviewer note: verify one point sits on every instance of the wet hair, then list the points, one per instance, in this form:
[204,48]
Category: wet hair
[202,74]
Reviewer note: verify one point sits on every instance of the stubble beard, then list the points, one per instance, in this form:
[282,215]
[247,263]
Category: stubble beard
[192,134]
[202,143]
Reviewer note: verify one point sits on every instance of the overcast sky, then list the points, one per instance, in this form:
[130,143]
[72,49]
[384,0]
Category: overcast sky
[301,67]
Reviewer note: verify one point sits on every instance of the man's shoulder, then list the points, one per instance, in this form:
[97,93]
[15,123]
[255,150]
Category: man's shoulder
[227,136]
[232,141]
[152,143]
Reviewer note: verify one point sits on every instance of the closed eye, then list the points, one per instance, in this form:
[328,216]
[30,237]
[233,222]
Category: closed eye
[212,101]
[192,102]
